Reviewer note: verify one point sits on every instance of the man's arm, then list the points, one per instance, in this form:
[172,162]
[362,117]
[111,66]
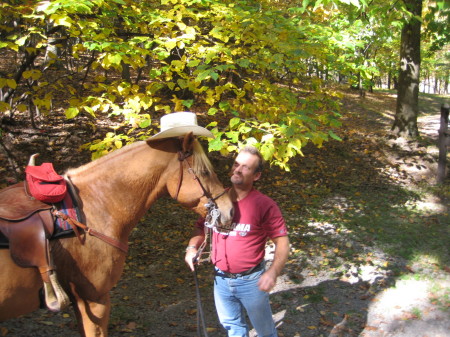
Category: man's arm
[198,236]
[269,278]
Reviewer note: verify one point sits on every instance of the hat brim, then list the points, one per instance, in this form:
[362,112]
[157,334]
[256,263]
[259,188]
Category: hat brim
[181,131]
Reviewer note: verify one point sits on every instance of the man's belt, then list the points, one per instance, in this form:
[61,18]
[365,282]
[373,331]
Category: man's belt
[252,270]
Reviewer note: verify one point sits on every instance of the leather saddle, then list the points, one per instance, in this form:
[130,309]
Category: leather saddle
[27,224]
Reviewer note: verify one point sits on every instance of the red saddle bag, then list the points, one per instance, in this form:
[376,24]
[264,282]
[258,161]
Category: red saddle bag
[45,184]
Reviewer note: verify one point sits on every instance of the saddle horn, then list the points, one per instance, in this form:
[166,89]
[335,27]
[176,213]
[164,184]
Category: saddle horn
[32,162]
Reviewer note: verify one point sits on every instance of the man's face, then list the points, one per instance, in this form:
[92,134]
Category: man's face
[243,170]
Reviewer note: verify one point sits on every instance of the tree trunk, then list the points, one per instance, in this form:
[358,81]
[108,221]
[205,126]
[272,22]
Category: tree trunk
[405,123]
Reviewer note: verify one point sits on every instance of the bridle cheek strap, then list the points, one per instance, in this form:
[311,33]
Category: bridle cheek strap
[181,158]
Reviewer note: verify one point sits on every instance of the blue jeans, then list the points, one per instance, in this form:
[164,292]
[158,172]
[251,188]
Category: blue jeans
[233,295]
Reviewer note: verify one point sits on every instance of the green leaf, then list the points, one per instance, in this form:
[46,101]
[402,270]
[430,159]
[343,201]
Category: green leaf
[72,112]
[233,136]
[188,103]
[203,75]
[212,111]
[233,122]
[334,136]
[215,144]
[267,151]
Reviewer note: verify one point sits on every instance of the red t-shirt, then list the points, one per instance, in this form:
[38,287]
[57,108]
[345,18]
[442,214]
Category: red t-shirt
[257,218]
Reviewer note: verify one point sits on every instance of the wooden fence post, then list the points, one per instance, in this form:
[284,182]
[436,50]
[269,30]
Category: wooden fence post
[443,142]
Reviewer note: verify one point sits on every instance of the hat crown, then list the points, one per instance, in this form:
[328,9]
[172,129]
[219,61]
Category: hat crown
[178,119]
[177,124]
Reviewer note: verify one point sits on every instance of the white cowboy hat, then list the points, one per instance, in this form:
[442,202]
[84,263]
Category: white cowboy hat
[178,124]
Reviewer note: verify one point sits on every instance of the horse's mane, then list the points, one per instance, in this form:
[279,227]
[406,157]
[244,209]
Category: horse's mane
[201,162]
[110,156]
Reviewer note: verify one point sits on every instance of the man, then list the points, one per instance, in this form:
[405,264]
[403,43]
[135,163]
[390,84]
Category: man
[241,281]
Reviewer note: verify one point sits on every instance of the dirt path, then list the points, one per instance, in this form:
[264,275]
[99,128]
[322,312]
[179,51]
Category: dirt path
[343,278]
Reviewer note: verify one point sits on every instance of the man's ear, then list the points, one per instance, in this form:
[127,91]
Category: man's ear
[257,176]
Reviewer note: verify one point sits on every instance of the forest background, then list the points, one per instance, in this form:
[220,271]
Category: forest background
[259,72]
[311,77]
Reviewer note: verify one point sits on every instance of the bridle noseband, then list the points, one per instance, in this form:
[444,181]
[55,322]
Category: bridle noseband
[213,212]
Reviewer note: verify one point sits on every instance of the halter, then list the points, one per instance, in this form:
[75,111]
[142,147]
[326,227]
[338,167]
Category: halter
[213,212]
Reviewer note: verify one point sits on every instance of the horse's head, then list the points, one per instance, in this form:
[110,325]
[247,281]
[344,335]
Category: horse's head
[193,182]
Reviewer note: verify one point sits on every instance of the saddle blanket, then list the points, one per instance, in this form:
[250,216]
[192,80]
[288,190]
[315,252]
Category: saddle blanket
[68,207]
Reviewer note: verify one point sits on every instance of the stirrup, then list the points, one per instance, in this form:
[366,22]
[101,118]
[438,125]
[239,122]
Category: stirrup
[55,297]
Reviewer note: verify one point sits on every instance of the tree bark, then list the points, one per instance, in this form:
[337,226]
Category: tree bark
[405,123]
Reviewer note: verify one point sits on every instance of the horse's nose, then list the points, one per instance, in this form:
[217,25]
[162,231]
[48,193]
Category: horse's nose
[226,219]
[231,214]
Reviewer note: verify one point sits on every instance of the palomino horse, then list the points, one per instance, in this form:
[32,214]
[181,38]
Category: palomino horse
[114,192]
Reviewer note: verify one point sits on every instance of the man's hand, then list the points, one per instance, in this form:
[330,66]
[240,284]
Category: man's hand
[198,237]
[189,257]
[267,281]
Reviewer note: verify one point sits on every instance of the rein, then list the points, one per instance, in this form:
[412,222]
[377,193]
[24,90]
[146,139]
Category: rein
[75,224]
[211,220]
[197,260]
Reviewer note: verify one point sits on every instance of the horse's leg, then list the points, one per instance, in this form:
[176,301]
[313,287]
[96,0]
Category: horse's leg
[92,316]
[19,288]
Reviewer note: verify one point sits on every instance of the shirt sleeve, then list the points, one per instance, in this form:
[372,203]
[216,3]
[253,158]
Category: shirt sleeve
[273,221]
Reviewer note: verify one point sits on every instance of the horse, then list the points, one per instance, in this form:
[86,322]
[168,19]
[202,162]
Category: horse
[114,192]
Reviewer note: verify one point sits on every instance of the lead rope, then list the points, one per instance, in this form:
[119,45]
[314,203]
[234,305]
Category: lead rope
[197,259]
[200,314]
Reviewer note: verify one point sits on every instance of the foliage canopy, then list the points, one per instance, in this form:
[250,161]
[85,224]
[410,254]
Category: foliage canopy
[256,71]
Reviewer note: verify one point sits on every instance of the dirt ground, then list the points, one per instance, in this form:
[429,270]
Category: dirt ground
[313,297]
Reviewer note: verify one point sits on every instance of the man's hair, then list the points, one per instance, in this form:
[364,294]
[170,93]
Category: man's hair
[254,151]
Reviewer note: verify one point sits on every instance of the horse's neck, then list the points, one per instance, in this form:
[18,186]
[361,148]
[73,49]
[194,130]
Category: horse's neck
[118,191]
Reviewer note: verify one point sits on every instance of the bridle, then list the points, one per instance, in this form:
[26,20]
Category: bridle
[211,221]
[213,212]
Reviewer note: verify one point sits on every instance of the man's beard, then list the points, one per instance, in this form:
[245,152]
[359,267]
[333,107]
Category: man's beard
[236,179]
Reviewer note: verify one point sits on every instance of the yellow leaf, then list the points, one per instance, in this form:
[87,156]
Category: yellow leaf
[312,327]
[190,31]
[171,44]
[66,315]
[118,144]
[162,285]
[22,107]
[11,83]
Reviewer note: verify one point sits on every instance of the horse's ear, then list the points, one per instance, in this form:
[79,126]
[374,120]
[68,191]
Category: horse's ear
[188,143]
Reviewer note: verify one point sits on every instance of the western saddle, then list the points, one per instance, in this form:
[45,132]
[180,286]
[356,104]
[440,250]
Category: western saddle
[28,224]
